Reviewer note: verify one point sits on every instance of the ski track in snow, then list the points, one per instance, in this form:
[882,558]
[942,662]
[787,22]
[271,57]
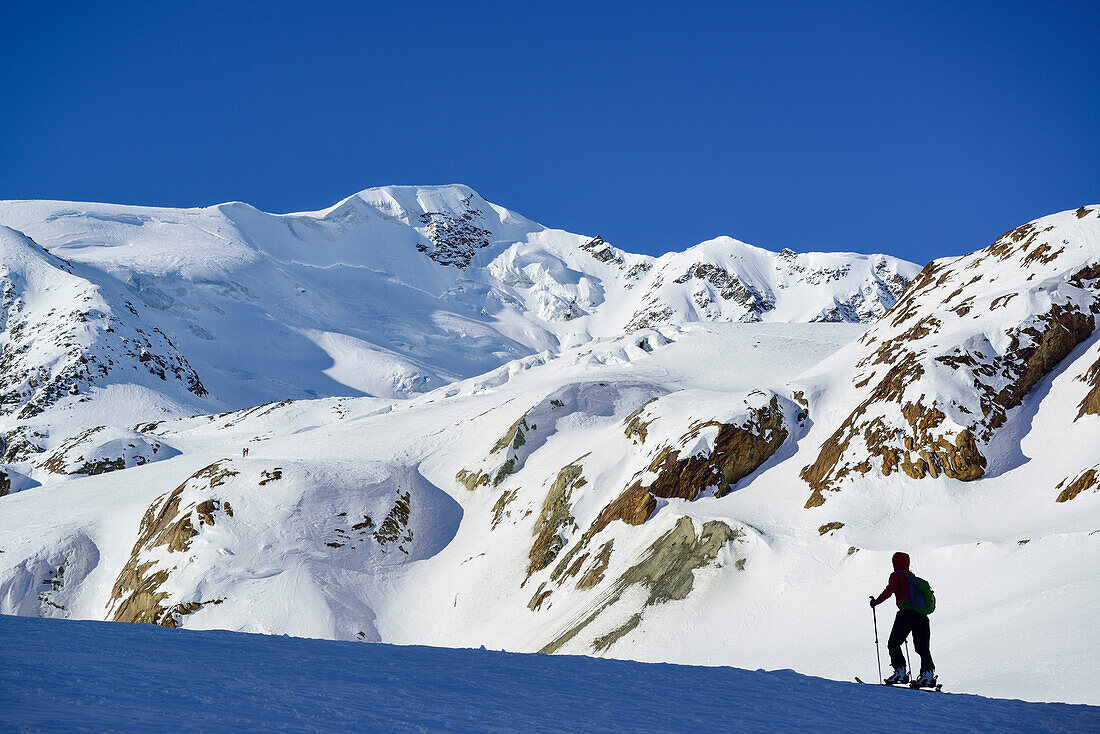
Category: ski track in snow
[95,676]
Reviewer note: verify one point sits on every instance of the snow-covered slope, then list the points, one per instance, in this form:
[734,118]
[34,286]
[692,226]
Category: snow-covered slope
[398,290]
[937,386]
[64,334]
[639,494]
[224,681]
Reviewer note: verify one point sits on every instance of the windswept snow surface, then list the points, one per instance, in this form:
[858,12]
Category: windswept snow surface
[92,676]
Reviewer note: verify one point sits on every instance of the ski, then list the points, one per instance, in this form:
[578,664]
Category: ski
[937,688]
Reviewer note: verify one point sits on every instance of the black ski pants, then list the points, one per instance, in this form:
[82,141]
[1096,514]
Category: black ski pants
[909,621]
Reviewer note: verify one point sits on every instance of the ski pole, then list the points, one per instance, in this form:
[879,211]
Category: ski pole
[907,660]
[878,655]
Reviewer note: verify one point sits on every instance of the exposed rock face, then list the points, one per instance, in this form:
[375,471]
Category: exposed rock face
[596,570]
[531,430]
[455,237]
[22,444]
[1088,479]
[728,287]
[554,517]
[505,457]
[395,527]
[1090,405]
[171,523]
[666,571]
[602,251]
[682,470]
[939,373]
[874,297]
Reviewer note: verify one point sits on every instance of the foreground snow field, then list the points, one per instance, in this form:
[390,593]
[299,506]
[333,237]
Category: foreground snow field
[94,676]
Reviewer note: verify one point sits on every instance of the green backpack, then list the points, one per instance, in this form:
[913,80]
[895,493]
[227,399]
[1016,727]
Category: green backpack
[921,597]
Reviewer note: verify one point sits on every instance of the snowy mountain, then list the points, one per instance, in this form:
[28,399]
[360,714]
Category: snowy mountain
[654,476]
[398,290]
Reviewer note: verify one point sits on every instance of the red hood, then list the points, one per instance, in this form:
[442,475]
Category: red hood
[900,561]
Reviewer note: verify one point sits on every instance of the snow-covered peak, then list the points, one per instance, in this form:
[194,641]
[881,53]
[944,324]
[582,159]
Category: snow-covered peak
[724,279]
[400,289]
[410,202]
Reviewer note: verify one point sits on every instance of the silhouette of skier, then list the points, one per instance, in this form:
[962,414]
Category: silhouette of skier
[906,621]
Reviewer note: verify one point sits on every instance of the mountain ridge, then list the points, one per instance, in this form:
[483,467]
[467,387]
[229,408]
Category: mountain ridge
[403,289]
[639,494]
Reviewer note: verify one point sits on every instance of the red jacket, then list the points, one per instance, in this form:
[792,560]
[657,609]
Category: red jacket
[898,585]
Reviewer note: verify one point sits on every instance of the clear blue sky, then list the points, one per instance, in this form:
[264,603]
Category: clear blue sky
[919,129]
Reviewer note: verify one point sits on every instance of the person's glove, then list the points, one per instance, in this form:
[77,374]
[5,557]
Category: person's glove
[873,602]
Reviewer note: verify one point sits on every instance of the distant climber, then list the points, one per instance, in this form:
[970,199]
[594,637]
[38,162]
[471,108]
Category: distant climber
[915,602]
[244,451]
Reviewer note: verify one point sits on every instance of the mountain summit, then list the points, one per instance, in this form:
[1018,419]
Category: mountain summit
[401,289]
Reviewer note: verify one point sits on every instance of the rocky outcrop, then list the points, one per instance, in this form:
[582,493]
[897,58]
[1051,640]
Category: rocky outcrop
[1071,487]
[554,517]
[728,287]
[602,251]
[505,457]
[22,443]
[938,375]
[171,523]
[1090,404]
[101,449]
[394,528]
[454,237]
[666,571]
[530,431]
[174,615]
[735,451]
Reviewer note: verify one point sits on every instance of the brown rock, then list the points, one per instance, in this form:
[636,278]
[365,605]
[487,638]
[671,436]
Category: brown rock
[135,595]
[1088,479]
[553,517]
[595,573]
[1091,403]
[667,572]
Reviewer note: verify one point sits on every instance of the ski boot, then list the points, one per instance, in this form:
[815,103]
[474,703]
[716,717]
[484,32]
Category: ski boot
[900,677]
[927,679]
